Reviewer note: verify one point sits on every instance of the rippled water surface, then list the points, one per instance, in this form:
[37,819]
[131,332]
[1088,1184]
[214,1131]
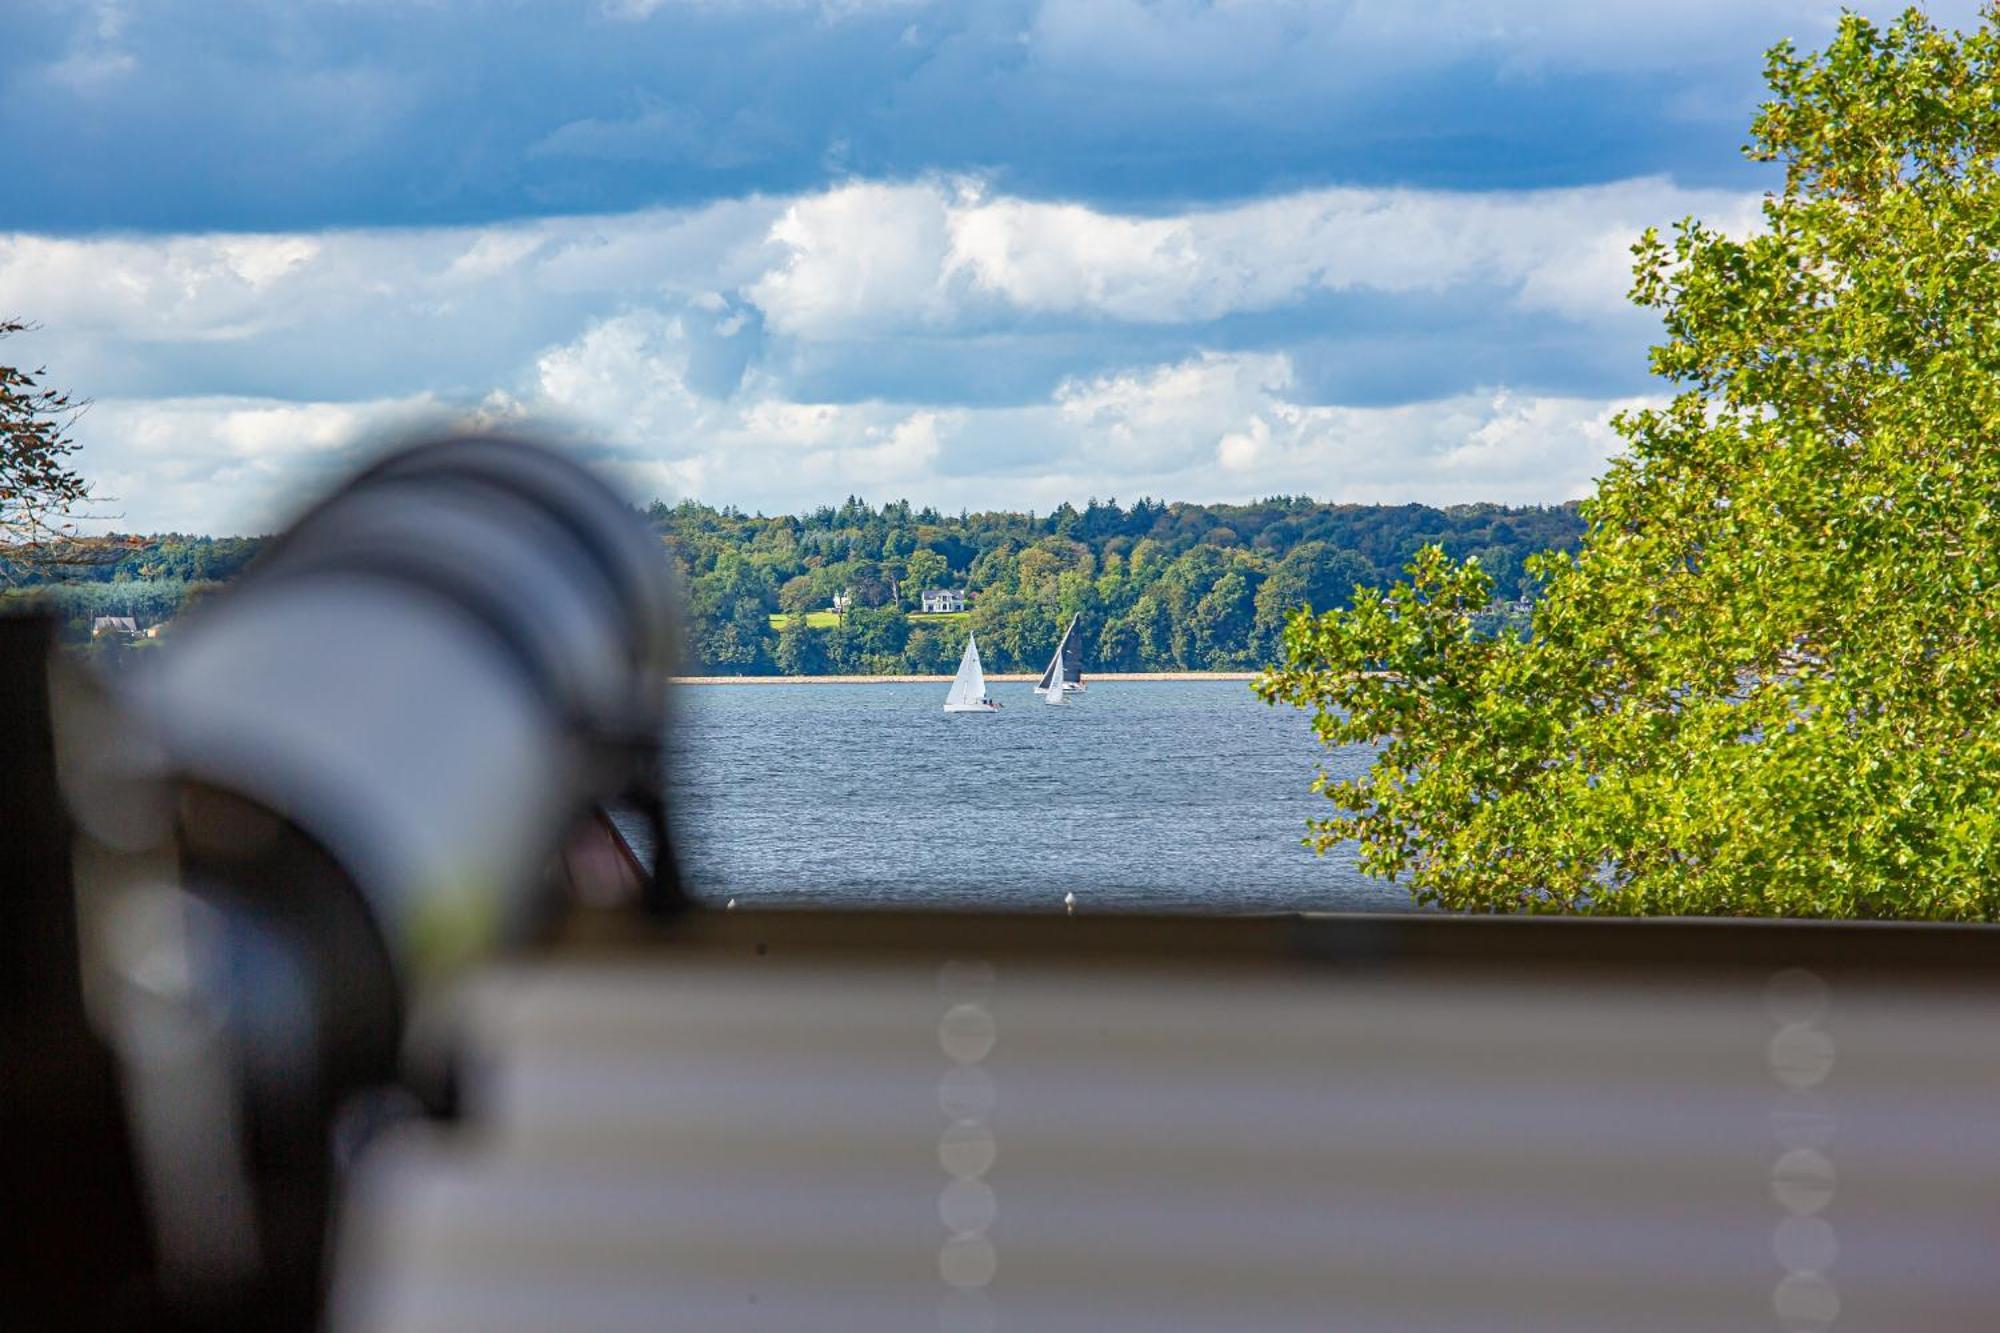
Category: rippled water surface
[1174,795]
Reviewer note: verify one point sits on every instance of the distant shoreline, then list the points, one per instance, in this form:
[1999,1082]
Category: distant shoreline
[945,680]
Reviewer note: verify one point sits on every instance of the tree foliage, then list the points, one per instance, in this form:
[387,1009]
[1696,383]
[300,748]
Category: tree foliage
[1144,579]
[1767,682]
[38,488]
[149,578]
[1156,586]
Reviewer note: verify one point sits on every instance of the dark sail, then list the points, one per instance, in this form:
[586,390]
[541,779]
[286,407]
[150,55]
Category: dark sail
[1068,659]
[1071,655]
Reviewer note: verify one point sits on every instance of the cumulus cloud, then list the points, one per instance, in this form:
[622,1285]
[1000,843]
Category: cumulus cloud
[695,342]
[363,313]
[1231,426]
[177,288]
[1215,426]
[230,464]
[927,255]
[631,383]
[868,256]
[224,286]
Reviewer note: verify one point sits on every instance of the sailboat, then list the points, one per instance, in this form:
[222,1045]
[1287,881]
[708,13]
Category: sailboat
[1066,665]
[968,687]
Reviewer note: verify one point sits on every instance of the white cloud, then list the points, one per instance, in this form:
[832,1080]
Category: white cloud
[675,334]
[1166,418]
[178,288]
[1230,426]
[860,258]
[230,286]
[1214,427]
[631,370]
[943,258]
[876,257]
[225,464]
[625,383]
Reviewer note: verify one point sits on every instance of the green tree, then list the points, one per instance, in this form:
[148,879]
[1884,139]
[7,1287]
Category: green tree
[797,596]
[1223,618]
[1152,626]
[739,644]
[924,569]
[931,652]
[1038,569]
[880,633]
[1313,574]
[1766,683]
[800,650]
[842,651]
[1118,647]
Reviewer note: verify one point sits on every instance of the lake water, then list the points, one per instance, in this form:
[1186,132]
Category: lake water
[1163,795]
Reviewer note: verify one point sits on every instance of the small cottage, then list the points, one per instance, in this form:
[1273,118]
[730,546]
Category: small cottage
[123,626]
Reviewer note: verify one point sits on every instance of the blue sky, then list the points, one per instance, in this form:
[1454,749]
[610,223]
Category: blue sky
[771,252]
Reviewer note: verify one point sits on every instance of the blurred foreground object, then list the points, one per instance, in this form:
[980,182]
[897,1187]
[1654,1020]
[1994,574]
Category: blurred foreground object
[353,773]
[435,675]
[1422,1124]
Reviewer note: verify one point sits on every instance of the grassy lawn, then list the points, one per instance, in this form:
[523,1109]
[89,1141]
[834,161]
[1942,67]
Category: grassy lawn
[827,619]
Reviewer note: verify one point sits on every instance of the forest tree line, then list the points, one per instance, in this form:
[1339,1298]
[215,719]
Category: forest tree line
[1159,587]
[151,579]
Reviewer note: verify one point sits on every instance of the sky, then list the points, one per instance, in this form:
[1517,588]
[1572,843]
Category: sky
[772,253]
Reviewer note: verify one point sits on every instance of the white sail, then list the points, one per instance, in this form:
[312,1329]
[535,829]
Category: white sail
[968,687]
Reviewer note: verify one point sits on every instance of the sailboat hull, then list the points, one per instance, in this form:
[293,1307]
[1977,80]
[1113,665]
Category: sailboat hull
[972,708]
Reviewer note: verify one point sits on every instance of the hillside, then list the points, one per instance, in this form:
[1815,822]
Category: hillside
[1160,587]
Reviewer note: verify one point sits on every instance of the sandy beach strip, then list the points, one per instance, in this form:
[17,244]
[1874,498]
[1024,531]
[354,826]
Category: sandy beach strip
[1091,679]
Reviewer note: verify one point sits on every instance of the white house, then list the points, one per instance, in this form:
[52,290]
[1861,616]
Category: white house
[841,601]
[104,625]
[943,600]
